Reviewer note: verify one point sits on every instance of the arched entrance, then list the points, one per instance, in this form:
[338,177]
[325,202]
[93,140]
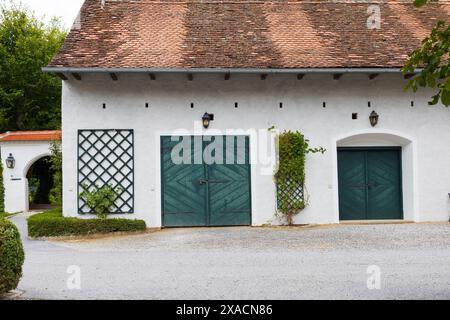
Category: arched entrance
[27,182]
[40,182]
[375,175]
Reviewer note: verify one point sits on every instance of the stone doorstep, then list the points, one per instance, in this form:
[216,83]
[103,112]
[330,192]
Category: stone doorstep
[360,222]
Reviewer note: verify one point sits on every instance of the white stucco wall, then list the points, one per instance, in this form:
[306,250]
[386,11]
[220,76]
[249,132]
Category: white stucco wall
[422,131]
[16,184]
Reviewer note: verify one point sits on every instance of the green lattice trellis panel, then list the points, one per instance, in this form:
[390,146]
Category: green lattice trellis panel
[107,157]
[292,194]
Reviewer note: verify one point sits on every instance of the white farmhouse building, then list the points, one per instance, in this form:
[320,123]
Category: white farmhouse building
[137,73]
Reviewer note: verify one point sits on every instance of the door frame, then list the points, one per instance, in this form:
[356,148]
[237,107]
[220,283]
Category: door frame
[399,150]
[207,204]
[390,138]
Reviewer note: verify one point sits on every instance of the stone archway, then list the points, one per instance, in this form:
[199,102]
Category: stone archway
[385,138]
[27,148]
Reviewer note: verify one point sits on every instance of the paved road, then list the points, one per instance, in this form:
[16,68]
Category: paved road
[245,263]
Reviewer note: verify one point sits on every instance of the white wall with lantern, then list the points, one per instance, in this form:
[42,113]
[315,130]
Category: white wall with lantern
[351,111]
[17,158]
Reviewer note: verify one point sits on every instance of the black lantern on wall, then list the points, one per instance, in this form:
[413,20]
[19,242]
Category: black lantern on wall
[206,119]
[374,118]
[10,161]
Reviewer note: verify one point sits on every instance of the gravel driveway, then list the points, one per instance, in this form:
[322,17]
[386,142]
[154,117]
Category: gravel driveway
[327,262]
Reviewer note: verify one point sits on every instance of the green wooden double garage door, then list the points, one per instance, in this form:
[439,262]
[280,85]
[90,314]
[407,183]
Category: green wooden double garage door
[370,183]
[210,186]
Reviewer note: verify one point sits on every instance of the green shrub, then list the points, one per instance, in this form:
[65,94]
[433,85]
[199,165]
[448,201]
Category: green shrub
[11,256]
[2,189]
[100,199]
[55,195]
[53,224]
[33,187]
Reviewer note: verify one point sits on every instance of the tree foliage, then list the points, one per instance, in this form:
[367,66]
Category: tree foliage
[2,189]
[433,57]
[55,195]
[29,98]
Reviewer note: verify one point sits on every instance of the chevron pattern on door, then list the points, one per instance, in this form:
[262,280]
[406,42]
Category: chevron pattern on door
[385,190]
[183,196]
[210,193]
[229,188]
[352,185]
[370,183]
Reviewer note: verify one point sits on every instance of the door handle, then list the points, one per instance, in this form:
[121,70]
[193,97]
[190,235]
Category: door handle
[202,181]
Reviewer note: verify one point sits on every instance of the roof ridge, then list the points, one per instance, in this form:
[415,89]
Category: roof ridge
[29,131]
[35,135]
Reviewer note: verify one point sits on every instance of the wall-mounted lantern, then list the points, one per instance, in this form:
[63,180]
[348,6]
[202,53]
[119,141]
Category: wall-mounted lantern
[206,119]
[10,161]
[374,118]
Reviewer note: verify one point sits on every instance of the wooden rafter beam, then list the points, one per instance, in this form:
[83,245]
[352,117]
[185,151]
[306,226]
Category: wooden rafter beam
[76,76]
[62,76]
[409,75]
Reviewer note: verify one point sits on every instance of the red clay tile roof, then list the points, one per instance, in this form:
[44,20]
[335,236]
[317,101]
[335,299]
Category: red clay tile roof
[48,135]
[246,34]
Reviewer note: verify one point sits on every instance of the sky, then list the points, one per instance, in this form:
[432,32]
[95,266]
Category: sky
[67,10]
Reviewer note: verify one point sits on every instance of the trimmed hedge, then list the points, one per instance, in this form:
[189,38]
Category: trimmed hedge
[53,224]
[12,256]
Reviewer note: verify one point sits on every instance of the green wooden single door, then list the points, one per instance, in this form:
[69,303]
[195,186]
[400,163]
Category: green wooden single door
[352,185]
[370,183]
[211,187]
[229,184]
[182,195]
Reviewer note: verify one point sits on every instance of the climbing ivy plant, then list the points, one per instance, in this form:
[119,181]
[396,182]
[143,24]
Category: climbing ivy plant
[101,199]
[290,177]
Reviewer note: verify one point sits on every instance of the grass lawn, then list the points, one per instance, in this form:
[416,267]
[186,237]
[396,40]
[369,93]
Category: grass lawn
[5,215]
